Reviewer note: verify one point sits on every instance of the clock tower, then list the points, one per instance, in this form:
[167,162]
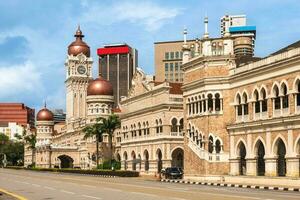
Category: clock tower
[78,74]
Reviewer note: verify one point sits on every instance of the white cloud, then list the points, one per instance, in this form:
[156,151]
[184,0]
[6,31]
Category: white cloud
[19,80]
[150,15]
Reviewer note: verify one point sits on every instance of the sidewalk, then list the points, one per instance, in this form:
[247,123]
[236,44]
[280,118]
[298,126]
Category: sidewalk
[267,183]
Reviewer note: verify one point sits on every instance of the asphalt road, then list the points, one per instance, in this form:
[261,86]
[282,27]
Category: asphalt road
[47,185]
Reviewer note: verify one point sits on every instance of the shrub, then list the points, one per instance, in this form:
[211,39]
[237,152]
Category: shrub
[107,165]
[119,173]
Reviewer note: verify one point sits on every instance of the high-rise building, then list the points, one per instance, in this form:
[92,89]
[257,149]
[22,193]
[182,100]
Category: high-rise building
[168,60]
[58,115]
[231,21]
[18,113]
[117,64]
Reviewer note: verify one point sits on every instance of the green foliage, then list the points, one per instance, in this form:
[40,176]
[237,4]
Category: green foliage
[31,141]
[3,138]
[119,173]
[108,165]
[14,152]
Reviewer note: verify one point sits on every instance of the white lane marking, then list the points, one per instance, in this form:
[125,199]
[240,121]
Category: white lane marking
[68,192]
[36,185]
[112,189]
[87,196]
[49,188]
[91,186]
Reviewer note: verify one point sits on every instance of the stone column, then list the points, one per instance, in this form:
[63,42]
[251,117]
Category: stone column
[271,166]
[281,107]
[234,167]
[214,105]
[292,166]
[251,167]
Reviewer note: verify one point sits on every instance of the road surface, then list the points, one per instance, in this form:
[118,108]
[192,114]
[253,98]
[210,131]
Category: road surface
[47,185]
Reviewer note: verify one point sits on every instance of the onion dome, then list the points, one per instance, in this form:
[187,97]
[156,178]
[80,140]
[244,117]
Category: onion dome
[79,46]
[44,115]
[100,86]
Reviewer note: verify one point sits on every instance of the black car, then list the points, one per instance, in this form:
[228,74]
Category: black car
[173,172]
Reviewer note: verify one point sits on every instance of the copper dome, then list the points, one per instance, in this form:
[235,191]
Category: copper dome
[79,46]
[100,86]
[44,115]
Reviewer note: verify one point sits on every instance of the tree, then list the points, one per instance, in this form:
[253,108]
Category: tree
[95,130]
[31,141]
[109,126]
[14,150]
[3,138]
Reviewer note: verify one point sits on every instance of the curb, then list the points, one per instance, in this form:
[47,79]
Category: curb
[232,185]
[12,194]
[103,176]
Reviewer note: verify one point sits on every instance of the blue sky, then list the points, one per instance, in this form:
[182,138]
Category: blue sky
[34,35]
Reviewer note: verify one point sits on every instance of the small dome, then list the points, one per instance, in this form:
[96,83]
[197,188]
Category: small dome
[79,46]
[100,86]
[44,115]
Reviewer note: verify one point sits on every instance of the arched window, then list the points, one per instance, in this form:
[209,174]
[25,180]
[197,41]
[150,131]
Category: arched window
[181,125]
[196,104]
[210,144]
[210,102]
[200,102]
[256,103]
[189,107]
[193,107]
[218,146]
[140,129]
[264,100]
[298,92]
[204,104]
[217,102]
[285,99]
[157,126]
[276,97]
[174,125]
[239,105]
[160,126]
[245,99]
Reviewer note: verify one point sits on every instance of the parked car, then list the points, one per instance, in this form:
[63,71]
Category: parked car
[173,173]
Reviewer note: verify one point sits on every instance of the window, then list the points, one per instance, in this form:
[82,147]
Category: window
[218,146]
[166,67]
[285,99]
[176,67]
[174,125]
[264,100]
[239,106]
[298,93]
[167,56]
[171,67]
[210,144]
[245,104]
[172,55]
[217,102]
[257,103]
[276,98]
[210,102]
[177,55]
[181,54]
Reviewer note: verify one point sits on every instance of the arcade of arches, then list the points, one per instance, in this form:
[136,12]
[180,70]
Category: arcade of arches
[273,156]
[147,163]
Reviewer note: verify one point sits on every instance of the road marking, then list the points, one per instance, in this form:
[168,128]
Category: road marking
[68,192]
[87,196]
[36,185]
[49,188]
[112,189]
[91,186]
[13,195]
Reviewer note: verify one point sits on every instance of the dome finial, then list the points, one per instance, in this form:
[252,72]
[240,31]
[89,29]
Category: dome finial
[78,33]
[45,104]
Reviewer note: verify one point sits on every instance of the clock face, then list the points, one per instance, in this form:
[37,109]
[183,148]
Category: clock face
[81,69]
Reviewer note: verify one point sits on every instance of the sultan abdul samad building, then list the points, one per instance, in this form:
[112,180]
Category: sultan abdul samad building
[234,113]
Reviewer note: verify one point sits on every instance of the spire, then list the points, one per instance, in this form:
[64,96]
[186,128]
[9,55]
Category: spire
[184,35]
[78,33]
[206,34]
[45,104]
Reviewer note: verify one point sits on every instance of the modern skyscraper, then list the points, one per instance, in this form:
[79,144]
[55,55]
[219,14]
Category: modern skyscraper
[231,21]
[117,63]
[167,60]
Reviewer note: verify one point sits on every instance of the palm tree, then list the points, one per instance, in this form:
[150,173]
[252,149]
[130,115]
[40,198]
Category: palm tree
[31,141]
[95,130]
[109,126]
